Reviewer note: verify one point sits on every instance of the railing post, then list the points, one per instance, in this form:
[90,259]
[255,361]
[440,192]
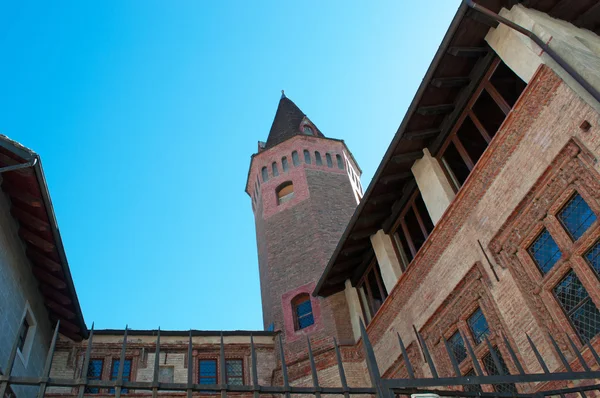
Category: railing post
[374,374]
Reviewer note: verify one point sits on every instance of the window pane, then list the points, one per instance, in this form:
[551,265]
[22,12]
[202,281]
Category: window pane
[275,169]
[586,320]
[318,160]
[304,314]
[207,371]
[234,371]
[576,216]
[492,369]
[295,158]
[307,130]
[471,139]
[545,251]
[284,164]
[593,257]
[340,162]
[479,326]
[329,161]
[115,373]
[488,113]
[456,165]
[422,209]
[458,347]
[472,387]
[94,372]
[307,157]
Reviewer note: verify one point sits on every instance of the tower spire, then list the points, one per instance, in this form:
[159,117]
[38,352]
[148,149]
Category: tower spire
[283,94]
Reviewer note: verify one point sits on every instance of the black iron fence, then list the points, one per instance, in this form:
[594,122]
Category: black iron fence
[468,385]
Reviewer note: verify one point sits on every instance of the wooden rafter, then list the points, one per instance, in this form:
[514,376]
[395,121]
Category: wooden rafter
[43,261]
[471,52]
[52,293]
[29,220]
[432,110]
[36,241]
[46,277]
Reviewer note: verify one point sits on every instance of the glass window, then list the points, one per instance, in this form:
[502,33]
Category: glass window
[285,192]
[492,369]
[114,374]
[295,158]
[94,372]
[340,162]
[577,304]
[318,160]
[308,130]
[265,174]
[235,372]
[457,345]
[207,371]
[593,257]
[545,251]
[275,169]
[303,315]
[478,326]
[23,334]
[328,159]
[576,216]
[307,157]
[284,164]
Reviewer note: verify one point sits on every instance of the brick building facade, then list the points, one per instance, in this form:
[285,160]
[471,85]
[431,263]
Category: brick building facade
[478,228]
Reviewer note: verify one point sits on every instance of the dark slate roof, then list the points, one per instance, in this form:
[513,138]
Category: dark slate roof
[286,123]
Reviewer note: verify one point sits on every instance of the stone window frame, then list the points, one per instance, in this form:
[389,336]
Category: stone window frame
[30,334]
[213,355]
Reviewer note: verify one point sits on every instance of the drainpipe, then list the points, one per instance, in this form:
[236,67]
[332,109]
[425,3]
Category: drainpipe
[544,46]
[18,166]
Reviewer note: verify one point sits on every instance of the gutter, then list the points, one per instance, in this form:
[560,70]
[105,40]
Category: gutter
[542,44]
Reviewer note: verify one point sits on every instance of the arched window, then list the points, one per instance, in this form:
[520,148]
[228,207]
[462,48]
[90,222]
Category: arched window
[318,160]
[306,157]
[308,130]
[295,158]
[284,164]
[340,162]
[265,174]
[284,192]
[275,169]
[329,161]
[302,308]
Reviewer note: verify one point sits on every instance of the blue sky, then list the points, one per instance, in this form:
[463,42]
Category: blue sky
[146,113]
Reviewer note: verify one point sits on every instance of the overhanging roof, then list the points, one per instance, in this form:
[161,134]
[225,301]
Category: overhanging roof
[31,207]
[455,71]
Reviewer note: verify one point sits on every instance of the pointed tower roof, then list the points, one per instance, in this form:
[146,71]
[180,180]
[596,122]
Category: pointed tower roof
[286,123]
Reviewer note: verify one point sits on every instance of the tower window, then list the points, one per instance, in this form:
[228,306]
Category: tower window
[285,192]
[265,174]
[275,169]
[329,161]
[576,216]
[303,315]
[318,160]
[284,164]
[340,162]
[308,130]
[307,157]
[295,158]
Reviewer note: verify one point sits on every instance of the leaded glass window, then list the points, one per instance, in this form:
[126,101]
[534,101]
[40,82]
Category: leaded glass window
[235,372]
[545,251]
[458,347]
[478,326]
[576,216]
[114,374]
[579,307]
[593,257]
[472,387]
[207,371]
[303,311]
[94,372]
[492,369]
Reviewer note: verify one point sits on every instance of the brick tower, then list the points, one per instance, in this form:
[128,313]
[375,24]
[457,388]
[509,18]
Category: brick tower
[304,188]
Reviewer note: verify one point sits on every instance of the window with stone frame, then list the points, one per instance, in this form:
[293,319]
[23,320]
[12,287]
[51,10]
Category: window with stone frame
[234,371]
[207,371]
[497,366]
[114,373]
[457,345]
[566,294]
[94,372]
[478,326]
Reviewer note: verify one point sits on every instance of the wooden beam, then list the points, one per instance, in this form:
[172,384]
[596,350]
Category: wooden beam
[384,198]
[420,134]
[407,157]
[471,52]
[46,277]
[372,218]
[442,82]
[22,196]
[6,160]
[396,177]
[351,263]
[354,249]
[65,324]
[364,233]
[29,220]
[35,240]
[358,272]
[433,110]
[59,309]
[54,294]
[43,261]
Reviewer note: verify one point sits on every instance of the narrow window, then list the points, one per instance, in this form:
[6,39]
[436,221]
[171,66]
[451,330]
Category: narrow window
[23,330]
[492,370]
[406,255]
[578,306]
[329,161]
[295,158]
[114,373]
[166,374]
[318,160]
[94,372]
[265,174]
[471,139]
[207,371]
[455,164]
[545,251]
[507,83]
[457,345]
[576,216]
[478,326]
[234,371]
[593,257]
[489,113]
[340,162]
[308,130]
[372,291]
[284,164]
[275,169]
[303,315]
[307,157]
[285,192]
